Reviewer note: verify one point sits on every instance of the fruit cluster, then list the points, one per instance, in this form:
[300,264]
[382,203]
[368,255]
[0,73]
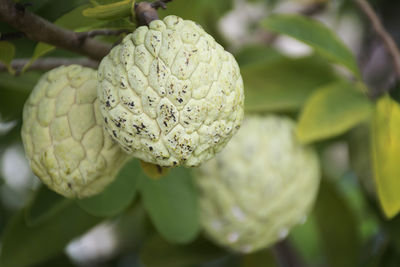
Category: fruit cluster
[170,95]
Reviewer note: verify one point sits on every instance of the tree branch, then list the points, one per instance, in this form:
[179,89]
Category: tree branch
[90,34]
[380,30]
[49,63]
[41,30]
[160,3]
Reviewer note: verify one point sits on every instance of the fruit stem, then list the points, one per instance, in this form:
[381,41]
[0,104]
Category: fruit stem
[147,12]
[153,171]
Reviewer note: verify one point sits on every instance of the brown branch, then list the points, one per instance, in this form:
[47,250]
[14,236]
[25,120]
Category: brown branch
[83,35]
[160,3]
[41,30]
[49,63]
[147,12]
[380,30]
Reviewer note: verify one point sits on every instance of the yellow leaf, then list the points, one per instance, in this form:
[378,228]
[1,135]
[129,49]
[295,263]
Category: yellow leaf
[386,154]
[331,111]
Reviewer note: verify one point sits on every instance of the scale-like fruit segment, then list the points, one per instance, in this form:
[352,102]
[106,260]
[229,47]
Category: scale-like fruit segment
[169,94]
[63,134]
[261,185]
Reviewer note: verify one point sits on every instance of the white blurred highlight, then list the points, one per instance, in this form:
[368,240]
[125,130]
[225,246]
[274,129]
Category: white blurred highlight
[97,245]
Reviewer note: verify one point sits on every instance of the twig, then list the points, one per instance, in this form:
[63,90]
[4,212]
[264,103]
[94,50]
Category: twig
[41,30]
[380,30]
[107,32]
[49,63]
[160,3]
[147,12]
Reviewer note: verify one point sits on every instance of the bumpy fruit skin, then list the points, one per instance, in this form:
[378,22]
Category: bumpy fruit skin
[63,134]
[263,183]
[170,95]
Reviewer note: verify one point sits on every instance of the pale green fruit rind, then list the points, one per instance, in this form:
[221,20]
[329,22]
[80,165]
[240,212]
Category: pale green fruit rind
[63,135]
[170,95]
[262,184]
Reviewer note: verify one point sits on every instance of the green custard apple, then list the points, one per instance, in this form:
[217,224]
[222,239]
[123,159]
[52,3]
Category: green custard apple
[170,95]
[261,185]
[63,134]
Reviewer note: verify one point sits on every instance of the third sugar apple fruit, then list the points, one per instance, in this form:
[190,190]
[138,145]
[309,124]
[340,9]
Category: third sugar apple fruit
[261,185]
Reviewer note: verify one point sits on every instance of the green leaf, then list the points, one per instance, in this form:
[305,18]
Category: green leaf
[385,154]
[7,52]
[132,226]
[331,111]
[204,12]
[315,34]
[171,203]
[257,53]
[41,49]
[27,246]
[360,156]
[338,227]
[285,84]
[70,20]
[61,261]
[13,93]
[306,239]
[168,255]
[44,205]
[118,195]
[116,24]
[74,19]
[110,11]
[262,258]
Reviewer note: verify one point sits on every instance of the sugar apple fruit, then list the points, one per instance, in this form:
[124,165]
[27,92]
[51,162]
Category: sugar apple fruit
[63,135]
[263,183]
[169,94]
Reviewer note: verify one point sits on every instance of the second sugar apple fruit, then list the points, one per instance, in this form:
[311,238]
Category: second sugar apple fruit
[169,94]
[63,135]
[261,185]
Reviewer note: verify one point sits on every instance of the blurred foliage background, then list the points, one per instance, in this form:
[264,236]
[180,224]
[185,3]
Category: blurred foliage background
[319,62]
